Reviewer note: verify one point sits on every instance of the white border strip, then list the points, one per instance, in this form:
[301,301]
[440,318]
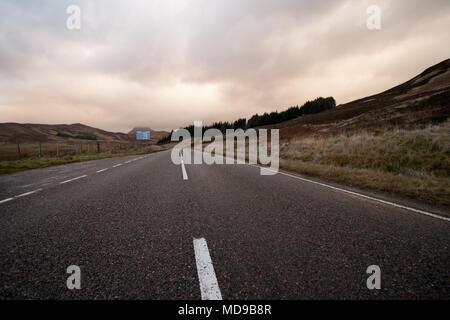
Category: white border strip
[209,286]
[426,213]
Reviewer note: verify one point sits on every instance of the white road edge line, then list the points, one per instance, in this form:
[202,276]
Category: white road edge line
[6,200]
[426,213]
[80,177]
[209,286]
[102,170]
[27,193]
[117,165]
[128,161]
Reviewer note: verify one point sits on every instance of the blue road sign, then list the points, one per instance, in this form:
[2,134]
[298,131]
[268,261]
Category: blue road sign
[142,135]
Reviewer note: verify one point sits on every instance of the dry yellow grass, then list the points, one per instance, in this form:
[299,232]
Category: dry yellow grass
[414,163]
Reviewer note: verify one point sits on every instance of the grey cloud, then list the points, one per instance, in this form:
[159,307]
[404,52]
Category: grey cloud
[137,61]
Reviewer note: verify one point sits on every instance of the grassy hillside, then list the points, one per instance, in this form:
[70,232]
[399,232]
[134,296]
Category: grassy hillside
[18,132]
[70,133]
[18,141]
[396,141]
[410,162]
[422,100]
[42,162]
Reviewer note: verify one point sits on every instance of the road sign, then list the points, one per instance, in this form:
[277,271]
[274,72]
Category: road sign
[142,135]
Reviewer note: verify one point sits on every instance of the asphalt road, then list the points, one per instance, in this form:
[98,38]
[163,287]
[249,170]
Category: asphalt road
[131,228]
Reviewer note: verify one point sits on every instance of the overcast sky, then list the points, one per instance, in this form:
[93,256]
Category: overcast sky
[167,63]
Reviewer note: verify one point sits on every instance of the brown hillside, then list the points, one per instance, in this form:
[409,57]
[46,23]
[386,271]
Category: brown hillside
[424,99]
[17,132]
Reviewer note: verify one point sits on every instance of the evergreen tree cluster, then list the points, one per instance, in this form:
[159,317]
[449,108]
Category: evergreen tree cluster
[310,107]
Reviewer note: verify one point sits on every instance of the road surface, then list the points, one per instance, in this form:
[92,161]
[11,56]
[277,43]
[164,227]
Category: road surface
[139,229]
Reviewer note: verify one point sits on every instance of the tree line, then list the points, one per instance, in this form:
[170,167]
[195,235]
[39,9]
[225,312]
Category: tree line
[310,107]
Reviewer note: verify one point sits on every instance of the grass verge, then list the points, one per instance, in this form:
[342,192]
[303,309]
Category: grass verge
[414,163]
[43,162]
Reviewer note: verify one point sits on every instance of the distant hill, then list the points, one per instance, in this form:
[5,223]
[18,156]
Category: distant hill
[133,131]
[425,99]
[27,132]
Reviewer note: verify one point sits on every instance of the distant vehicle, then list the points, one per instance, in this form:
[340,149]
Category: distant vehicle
[142,135]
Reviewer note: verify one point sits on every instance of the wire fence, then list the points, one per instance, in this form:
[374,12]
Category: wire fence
[11,151]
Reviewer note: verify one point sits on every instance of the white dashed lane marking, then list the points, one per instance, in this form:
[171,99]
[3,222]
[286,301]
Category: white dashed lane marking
[183,170]
[80,177]
[209,287]
[20,195]
[27,193]
[66,181]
